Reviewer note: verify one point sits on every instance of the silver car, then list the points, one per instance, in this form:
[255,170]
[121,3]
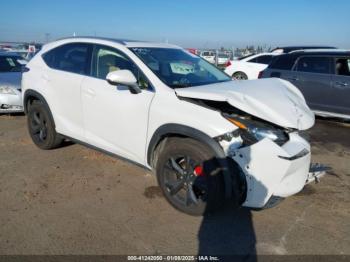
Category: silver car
[11,67]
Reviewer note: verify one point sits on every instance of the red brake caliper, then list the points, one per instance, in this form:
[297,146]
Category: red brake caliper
[198,171]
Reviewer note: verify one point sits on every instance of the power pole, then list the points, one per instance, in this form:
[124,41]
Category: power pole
[47,37]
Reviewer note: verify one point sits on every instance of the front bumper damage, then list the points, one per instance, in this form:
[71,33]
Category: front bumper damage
[274,172]
[315,173]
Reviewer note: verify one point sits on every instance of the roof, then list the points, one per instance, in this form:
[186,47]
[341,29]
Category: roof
[288,49]
[332,52]
[125,42]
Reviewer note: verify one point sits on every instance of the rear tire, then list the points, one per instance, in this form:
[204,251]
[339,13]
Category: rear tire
[190,176]
[41,127]
[240,76]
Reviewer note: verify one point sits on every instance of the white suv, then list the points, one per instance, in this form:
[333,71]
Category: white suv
[207,138]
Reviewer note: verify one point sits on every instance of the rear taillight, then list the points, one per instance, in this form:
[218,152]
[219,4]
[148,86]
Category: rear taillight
[228,63]
[260,74]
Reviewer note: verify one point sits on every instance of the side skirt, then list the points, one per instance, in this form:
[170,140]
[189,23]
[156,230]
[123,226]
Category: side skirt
[106,152]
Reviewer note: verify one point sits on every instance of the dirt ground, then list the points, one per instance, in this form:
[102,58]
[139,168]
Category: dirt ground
[73,200]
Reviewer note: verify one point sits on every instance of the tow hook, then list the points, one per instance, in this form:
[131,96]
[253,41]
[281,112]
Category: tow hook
[316,171]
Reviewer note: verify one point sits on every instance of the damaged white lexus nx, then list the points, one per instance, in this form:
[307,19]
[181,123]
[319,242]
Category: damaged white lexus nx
[207,138]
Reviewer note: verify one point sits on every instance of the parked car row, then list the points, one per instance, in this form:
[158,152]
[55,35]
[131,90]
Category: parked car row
[248,67]
[213,58]
[11,67]
[321,73]
[207,138]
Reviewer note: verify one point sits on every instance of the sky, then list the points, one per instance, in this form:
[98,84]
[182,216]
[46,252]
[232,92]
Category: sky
[188,23]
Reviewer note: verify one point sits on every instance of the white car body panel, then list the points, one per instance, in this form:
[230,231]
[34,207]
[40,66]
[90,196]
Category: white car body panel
[209,57]
[285,177]
[114,123]
[13,102]
[222,60]
[111,118]
[65,87]
[252,70]
[271,99]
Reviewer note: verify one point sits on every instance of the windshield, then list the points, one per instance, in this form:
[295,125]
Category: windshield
[179,68]
[10,64]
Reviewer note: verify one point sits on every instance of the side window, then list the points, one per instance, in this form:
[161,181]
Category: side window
[313,64]
[72,58]
[264,59]
[253,60]
[107,59]
[282,62]
[342,66]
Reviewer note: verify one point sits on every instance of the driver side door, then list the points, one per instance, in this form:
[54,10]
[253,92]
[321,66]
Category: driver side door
[115,120]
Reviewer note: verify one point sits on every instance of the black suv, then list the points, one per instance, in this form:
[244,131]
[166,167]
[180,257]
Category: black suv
[323,76]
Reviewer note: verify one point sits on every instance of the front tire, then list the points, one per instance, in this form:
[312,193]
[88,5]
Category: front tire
[190,176]
[41,127]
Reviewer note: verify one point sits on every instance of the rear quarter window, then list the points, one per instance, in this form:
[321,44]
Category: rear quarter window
[282,62]
[72,58]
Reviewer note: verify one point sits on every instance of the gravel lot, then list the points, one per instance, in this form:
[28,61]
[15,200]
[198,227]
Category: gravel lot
[74,200]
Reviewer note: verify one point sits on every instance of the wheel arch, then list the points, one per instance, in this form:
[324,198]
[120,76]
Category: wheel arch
[178,130]
[32,95]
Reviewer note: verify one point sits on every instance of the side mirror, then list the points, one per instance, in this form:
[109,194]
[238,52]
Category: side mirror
[124,77]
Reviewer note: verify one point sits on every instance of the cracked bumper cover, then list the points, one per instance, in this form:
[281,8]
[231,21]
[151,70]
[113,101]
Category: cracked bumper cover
[272,171]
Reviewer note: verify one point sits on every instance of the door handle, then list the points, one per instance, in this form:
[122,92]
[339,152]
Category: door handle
[341,84]
[293,78]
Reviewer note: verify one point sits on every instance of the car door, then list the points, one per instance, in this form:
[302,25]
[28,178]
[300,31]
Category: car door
[312,75]
[68,64]
[115,119]
[340,94]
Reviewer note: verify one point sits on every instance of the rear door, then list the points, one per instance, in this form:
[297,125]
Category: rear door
[68,66]
[340,94]
[312,75]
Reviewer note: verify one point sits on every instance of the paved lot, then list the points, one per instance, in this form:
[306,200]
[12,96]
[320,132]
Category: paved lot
[74,200]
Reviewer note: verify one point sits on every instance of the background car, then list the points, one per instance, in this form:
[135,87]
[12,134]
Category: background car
[223,59]
[11,66]
[209,56]
[322,76]
[248,67]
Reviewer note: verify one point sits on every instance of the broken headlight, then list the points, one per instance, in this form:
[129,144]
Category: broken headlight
[252,131]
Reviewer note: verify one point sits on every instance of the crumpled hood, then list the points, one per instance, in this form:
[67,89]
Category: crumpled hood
[272,99]
[11,79]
